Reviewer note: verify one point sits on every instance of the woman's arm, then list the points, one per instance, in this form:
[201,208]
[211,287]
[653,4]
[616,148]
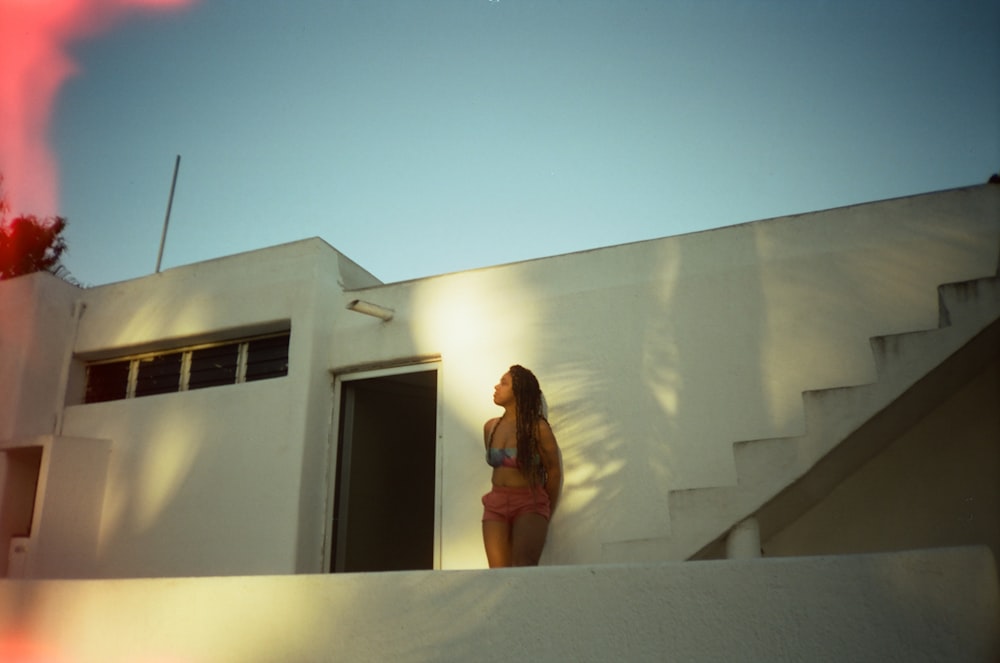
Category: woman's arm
[549,450]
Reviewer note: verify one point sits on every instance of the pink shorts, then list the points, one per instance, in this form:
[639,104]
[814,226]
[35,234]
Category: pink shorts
[506,504]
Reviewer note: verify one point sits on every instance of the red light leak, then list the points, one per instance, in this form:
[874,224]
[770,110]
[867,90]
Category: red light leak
[34,35]
[15,649]
[21,649]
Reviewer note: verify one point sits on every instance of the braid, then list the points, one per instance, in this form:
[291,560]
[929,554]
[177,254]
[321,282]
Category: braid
[528,397]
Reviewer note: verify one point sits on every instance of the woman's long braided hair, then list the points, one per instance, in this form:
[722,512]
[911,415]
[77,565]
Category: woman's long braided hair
[528,397]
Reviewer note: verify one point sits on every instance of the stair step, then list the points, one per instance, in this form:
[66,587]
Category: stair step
[967,308]
[977,298]
[766,467]
[758,462]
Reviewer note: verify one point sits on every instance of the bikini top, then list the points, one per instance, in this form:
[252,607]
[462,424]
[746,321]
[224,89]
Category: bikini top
[500,457]
[505,457]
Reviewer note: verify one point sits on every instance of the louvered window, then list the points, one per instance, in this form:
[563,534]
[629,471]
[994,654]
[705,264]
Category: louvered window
[184,369]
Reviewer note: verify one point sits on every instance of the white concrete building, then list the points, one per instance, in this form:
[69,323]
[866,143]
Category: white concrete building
[809,387]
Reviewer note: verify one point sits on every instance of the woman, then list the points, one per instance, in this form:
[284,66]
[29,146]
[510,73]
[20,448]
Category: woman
[524,455]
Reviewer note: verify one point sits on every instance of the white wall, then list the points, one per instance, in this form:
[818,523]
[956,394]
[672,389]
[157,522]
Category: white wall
[36,336]
[655,357]
[917,606]
[225,480]
[65,514]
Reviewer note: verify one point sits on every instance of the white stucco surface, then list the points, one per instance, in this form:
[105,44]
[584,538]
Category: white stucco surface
[227,480]
[655,358]
[37,313]
[935,605]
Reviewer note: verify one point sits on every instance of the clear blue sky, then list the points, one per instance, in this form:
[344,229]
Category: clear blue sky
[423,137]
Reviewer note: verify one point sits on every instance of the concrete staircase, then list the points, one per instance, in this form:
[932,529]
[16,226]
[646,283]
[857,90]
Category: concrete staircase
[779,479]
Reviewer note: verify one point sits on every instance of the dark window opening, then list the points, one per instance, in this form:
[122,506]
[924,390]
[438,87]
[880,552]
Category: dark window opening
[267,358]
[214,366]
[160,374]
[107,382]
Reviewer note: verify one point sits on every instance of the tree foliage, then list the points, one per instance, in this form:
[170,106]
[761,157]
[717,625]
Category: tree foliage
[29,243]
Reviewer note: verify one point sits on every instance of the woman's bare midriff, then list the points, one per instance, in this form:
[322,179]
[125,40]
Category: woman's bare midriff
[509,477]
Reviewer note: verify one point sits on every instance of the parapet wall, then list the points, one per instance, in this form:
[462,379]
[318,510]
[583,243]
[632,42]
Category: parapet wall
[927,605]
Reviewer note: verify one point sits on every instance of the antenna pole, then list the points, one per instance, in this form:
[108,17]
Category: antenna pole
[166,219]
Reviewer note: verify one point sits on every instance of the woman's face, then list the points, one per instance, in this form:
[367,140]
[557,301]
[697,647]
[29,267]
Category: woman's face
[503,392]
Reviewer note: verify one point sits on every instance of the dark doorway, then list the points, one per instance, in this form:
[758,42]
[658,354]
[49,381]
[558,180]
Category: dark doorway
[17,496]
[384,503]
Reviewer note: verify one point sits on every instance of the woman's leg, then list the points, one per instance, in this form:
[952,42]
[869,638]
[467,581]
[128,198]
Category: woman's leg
[496,538]
[528,538]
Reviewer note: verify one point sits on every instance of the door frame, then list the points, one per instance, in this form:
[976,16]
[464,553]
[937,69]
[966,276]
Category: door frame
[332,471]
